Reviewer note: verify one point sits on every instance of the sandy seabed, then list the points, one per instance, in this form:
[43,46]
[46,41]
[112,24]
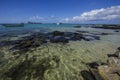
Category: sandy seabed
[53,61]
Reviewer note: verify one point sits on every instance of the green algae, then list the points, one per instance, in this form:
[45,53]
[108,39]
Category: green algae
[32,69]
[53,61]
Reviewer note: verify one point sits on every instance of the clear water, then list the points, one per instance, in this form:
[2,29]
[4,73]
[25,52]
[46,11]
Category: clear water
[10,32]
[7,33]
[33,27]
[73,56]
[28,28]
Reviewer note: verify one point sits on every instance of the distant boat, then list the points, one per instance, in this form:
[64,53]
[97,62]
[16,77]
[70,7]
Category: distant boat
[34,22]
[13,25]
[58,23]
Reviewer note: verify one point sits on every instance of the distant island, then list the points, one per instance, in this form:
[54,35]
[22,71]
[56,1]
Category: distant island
[29,22]
[13,25]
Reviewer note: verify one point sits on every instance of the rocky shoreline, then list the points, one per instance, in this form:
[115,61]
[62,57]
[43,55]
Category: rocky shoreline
[114,27]
[104,71]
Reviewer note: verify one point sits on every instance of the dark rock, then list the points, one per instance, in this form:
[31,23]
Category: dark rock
[4,35]
[83,31]
[88,38]
[14,25]
[68,34]
[59,39]
[58,33]
[37,39]
[96,37]
[87,75]
[77,26]
[105,33]
[107,26]
[30,42]
[111,55]
[116,31]
[77,36]
[93,65]
[117,54]
[109,70]
[118,48]
[8,43]
[37,34]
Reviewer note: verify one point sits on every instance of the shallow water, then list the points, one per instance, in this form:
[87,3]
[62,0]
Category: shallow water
[53,61]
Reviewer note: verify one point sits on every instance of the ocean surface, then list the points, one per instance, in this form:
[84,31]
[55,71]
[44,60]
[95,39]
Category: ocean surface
[31,28]
[54,61]
[8,32]
[48,27]
[34,27]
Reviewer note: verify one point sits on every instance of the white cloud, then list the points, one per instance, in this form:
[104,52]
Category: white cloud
[36,18]
[52,17]
[110,13]
[41,18]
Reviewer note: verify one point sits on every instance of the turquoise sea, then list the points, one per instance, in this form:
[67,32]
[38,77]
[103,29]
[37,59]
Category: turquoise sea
[29,28]
[25,54]
[32,28]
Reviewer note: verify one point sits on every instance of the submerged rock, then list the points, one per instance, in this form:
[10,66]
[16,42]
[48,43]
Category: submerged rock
[76,36]
[68,34]
[58,39]
[117,54]
[88,38]
[83,31]
[96,37]
[87,75]
[37,39]
[105,33]
[107,26]
[116,31]
[77,26]
[30,42]
[93,64]
[57,33]
[58,36]
[118,48]
[8,43]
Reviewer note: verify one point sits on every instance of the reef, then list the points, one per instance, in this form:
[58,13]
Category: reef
[107,26]
[77,26]
[37,39]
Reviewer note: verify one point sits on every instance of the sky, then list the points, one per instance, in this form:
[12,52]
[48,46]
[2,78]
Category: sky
[67,11]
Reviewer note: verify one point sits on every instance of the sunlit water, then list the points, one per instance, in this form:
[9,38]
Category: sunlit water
[66,61]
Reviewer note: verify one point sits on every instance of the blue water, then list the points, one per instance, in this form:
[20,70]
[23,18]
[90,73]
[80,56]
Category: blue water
[31,28]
